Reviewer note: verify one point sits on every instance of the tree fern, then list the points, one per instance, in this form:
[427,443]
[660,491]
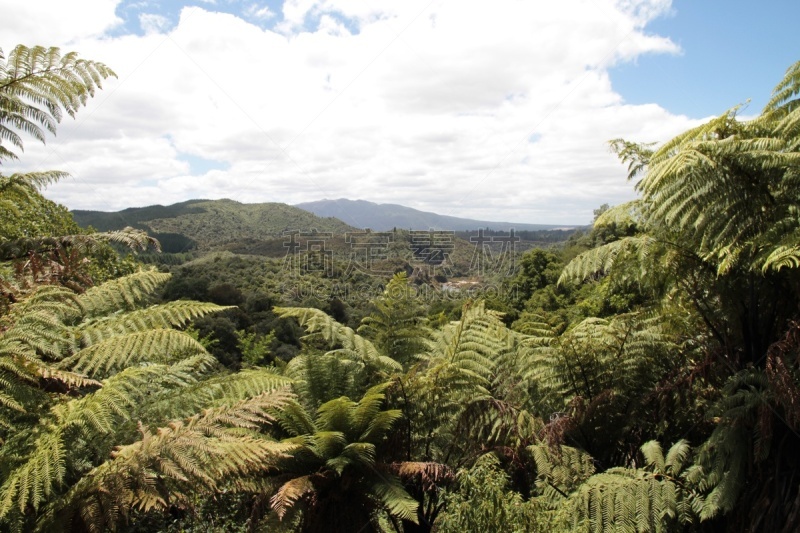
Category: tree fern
[335,460]
[33,330]
[657,497]
[171,314]
[318,378]
[484,501]
[784,99]
[56,335]
[396,323]
[214,391]
[456,371]
[97,413]
[350,366]
[123,293]
[37,85]
[321,326]
[720,202]
[153,345]
[133,239]
[18,189]
[205,452]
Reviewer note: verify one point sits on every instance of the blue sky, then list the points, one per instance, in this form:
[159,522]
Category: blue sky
[732,51]
[265,13]
[495,111]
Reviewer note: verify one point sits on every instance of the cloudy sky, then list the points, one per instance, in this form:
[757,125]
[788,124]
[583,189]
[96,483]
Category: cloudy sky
[494,110]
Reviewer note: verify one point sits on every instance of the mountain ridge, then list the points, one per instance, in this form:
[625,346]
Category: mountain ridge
[385,217]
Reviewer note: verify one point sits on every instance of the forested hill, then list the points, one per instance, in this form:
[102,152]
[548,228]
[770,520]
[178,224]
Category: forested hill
[207,223]
[384,217]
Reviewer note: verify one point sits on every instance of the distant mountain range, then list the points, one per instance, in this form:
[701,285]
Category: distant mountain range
[261,228]
[385,217]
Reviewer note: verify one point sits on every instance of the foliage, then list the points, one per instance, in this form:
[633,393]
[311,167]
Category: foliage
[334,472]
[484,502]
[396,324]
[52,336]
[37,85]
[657,497]
[717,232]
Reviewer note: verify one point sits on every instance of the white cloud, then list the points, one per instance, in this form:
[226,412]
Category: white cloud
[428,104]
[153,22]
[54,22]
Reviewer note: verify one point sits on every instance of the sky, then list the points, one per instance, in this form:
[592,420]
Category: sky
[495,110]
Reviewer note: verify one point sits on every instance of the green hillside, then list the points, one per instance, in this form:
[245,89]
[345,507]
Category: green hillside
[206,224]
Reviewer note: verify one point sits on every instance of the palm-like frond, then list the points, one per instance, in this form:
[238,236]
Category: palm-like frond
[396,324]
[218,390]
[27,182]
[336,452]
[321,326]
[395,499]
[43,471]
[655,498]
[145,365]
[37,85]
[168,315]
[600,260]
[457,371]
[152,345]
[126,292]
[202,453]
[784,97]
[133,239]
[349,368]
[560,471]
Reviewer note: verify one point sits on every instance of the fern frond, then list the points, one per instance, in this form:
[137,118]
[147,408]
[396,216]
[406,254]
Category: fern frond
[784,96]
[126,292]
[168,315]
[457,371]
[782,257]
[33,482]
[30,180]
[202,453]
[213,392]
[431,474]
[153,346]
[295,420]
[36,84]
[71,379]
[396,500]
[624,213]
[654,455]
[321,326]
[677,457]
[131,238]
[289,493]
[601,259]
[560,470]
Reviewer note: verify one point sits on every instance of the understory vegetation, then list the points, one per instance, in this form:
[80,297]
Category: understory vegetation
[641,376]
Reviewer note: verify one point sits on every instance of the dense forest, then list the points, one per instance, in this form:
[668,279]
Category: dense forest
[639,376]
